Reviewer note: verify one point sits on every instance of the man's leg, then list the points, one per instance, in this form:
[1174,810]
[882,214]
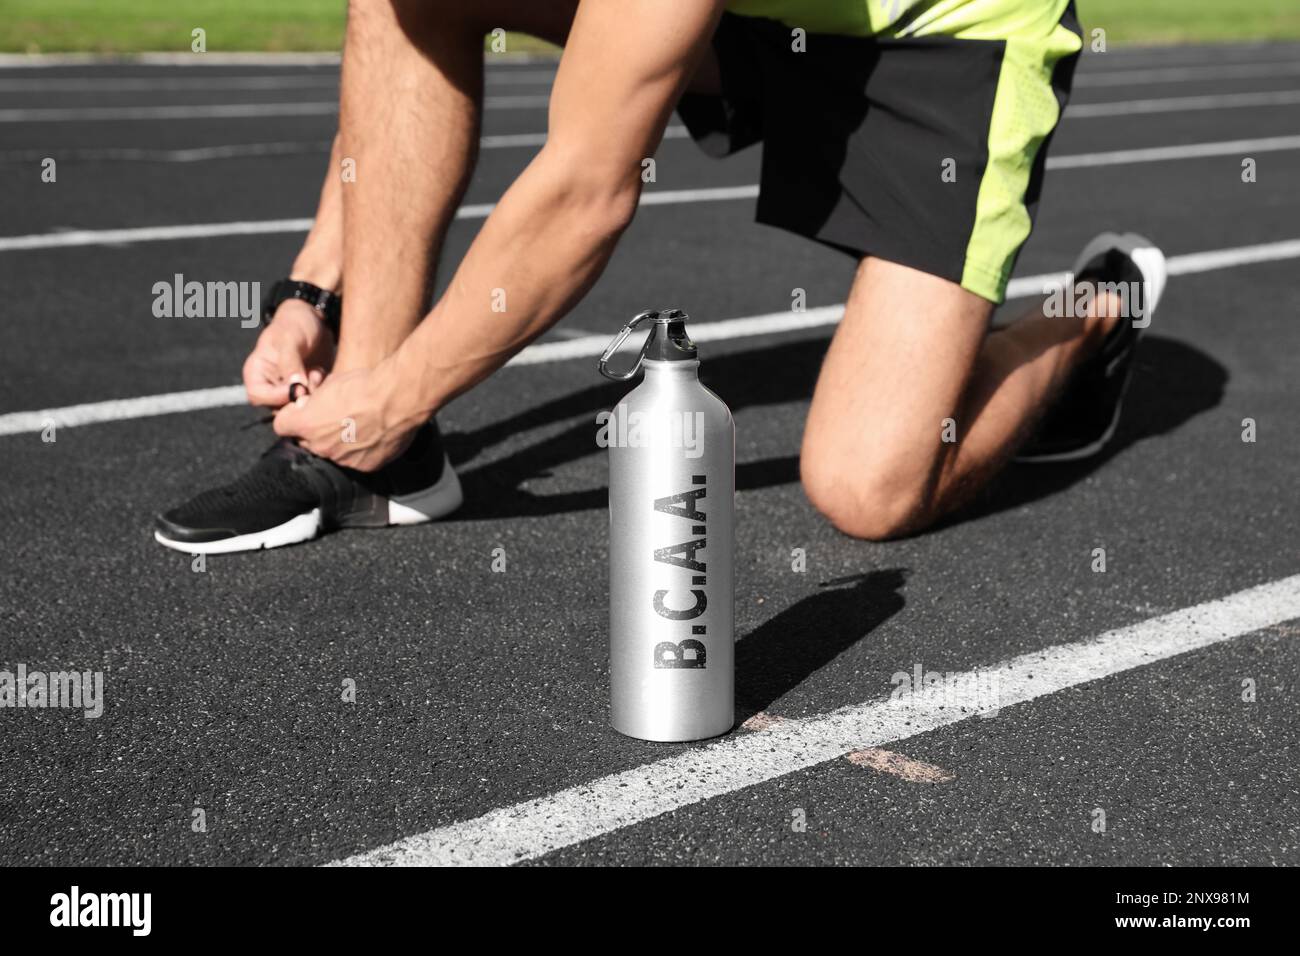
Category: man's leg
[409,106]
[912,352]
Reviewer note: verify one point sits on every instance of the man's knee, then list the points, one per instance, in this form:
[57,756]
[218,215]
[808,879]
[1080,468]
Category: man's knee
[883,501]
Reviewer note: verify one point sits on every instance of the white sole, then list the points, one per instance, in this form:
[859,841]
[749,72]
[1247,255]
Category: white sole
[434,502]
[301,528]
[440,499]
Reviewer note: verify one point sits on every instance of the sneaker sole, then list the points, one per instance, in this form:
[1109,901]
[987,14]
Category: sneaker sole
[436,501]
[1076,454]
[1092,448]
[301,528]
[439,499]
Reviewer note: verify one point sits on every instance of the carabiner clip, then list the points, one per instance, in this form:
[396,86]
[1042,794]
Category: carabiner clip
[603,365]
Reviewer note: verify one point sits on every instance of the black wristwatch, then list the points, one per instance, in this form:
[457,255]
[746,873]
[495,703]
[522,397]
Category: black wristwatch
[328,305]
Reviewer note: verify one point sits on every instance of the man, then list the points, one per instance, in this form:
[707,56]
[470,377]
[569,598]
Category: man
[910,135]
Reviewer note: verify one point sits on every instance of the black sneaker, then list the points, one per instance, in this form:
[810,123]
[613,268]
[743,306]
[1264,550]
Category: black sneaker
[292,495]
[1085,416]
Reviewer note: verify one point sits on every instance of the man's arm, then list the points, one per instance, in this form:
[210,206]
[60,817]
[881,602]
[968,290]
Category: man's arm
[624,67]
[296,343]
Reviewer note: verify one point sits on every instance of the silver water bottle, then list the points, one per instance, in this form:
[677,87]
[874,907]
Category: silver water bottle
[672,483]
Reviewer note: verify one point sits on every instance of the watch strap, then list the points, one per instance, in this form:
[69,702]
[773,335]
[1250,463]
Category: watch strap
[328,305]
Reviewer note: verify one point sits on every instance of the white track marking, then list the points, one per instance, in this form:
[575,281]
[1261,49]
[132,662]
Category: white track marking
[1159,154]
[85,237]
[87,114]
[243,150]
[1177,104]
[589,346]
[593,345]
[194,154]
[1194,54]
[504,62]
[115,410]
[109,237]
[168,84]
[84,114]
[534,828]
[290,81]
[93,114]
[1181,74]
[511,62]
[38,61]
[1194,262]
[272,81]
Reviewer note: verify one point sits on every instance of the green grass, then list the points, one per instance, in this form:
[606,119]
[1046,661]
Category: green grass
[126,26]
[131,26]
[1190,21]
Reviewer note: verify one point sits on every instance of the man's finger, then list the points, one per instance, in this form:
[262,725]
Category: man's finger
[298,390]
[288,421]
[292,368]
[264,394]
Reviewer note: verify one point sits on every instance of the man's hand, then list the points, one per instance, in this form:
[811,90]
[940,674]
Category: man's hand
[353,419]
[296,343]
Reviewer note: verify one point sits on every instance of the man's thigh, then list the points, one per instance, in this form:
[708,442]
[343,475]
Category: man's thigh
[549,20]
[887,401]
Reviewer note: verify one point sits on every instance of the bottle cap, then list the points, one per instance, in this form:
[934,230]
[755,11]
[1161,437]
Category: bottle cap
[667,342]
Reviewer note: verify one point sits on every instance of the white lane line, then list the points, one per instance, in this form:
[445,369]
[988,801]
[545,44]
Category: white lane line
[274,81]
[166,84]
[121,409]
[1194,262]
[196,154]
[1194,54]
[328,107]
[589,346]
[86,114]
[243,150]
[290,81]
[85,237]
[1181,74]
[83,114]
[505,62]
[1157,154]
[534,828]
[1176,104]
[38,61]
[108,237]
[750,325]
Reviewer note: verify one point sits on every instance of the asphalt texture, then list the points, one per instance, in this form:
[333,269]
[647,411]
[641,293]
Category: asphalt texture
[475,689]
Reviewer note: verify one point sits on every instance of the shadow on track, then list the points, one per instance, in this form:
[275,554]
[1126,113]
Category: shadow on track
[1173,383]
[782,653]
[766,376]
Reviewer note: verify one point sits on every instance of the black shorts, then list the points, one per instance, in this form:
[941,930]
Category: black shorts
[923,150]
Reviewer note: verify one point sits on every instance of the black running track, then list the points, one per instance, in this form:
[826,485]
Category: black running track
[478,690]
